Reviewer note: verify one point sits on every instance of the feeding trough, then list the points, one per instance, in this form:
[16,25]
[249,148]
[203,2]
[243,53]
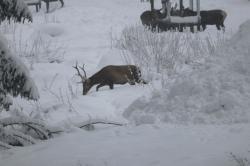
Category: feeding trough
[169,18]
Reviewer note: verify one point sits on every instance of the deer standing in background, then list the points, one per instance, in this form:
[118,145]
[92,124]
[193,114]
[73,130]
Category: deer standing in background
[110,75]
[209,17]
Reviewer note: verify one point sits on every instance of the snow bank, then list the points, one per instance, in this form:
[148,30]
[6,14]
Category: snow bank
[216,93]
[53,30]
[240,41]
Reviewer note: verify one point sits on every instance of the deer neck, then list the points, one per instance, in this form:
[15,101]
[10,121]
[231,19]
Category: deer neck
[93,80]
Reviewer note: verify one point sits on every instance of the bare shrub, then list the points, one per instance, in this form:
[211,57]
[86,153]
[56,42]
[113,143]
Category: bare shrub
[37,48]
[64,97]
[240,161]
[165,53]
[50,18]
[8,27]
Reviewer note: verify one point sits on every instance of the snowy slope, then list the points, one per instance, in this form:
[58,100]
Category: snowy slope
[85,31]
[145,145]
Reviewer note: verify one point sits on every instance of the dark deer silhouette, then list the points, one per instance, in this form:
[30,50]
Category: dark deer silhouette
[153,18]
[209,17]
[150,18]
[109,76]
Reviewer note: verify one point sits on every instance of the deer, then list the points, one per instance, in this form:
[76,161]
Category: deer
[209,17]
[110,75]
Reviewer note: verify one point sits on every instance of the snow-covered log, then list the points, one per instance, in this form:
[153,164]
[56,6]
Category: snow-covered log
[88,125]
[15,138]
[38,127]
[4,146]
[21,130]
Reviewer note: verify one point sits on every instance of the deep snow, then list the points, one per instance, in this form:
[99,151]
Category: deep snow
[157,145]
[216,93]
[84,31]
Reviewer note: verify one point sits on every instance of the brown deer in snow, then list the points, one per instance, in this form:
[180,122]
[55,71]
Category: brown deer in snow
[110,75]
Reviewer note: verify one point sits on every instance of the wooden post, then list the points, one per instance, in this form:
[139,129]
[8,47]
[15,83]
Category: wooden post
[191,7]
[198,14]
[181,5]
[198,7]
[191,4]
[168,11]
[152,5]
[181,14]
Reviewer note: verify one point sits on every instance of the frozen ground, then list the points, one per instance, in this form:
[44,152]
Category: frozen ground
[83,31]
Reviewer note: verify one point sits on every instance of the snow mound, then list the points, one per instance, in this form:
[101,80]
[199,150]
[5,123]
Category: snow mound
[240,41]
[216,93]
[53,30]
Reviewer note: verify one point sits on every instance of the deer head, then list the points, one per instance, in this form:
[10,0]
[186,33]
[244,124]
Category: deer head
[84,80]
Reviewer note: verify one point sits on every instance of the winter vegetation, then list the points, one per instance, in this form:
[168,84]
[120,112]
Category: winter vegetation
[15,78]
[194,109]
[216,80]
[165,53]
[15,10]
[240,160]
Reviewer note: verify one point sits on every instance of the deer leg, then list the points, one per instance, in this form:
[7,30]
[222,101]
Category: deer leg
[111,85]
[223,27]
[131,82]
[47,6]
[99,86]
[218,26]
[62,3]
[37,6]
[143,81]
[204,27]
[198,28]
[192,29]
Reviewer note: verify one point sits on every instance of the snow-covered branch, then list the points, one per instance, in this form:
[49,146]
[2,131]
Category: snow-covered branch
[37,126]
[15,138]
[14,76]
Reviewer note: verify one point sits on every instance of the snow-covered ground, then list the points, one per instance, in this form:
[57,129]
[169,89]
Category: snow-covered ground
[199,120]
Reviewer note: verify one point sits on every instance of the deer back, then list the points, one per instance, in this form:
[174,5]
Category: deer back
[116,74]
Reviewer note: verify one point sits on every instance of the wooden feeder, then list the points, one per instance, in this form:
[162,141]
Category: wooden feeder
[179,20]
